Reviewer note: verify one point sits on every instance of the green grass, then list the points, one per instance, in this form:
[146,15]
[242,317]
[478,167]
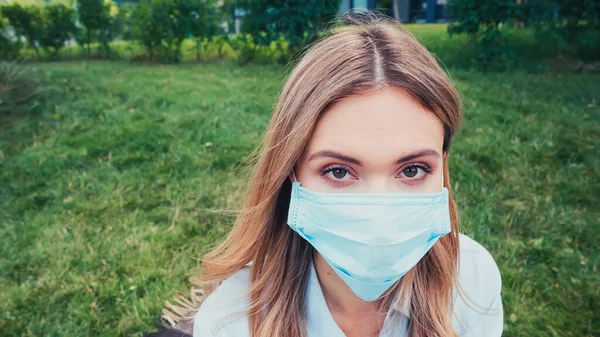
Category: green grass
[105,187]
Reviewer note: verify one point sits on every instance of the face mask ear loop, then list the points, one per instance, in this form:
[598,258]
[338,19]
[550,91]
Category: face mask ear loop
[449,226]
[443,178]
[294,175]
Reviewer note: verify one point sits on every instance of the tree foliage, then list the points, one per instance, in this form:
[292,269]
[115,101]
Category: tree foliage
[58,27]
[206,24]
[162,25]
[9,47]
[570,26]
[483,21]
[95,17]
[26,22]
[295,21]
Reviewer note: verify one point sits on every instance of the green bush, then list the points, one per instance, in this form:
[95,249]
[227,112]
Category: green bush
[162,26]
[111,27]
[9,47]
[297,22]
[95,17]
[570,27]
[245,47]
[17,87]
[587,45]
[27,23]
[126,11]
[566,27]
[205,19]
[58,27]
[221,42]
[482,21]
[151,26]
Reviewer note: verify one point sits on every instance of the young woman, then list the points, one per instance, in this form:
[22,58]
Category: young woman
[349,227]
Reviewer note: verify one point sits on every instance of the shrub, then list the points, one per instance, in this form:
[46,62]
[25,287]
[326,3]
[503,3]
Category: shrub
[483,21]
[125,15]
[162,25]
[58,27]
[245,46]
[95,17]
[150,20]
[298,22]
[26,22]
[17,88]
[205,19]
[569,26]
[9,47]
[110,27]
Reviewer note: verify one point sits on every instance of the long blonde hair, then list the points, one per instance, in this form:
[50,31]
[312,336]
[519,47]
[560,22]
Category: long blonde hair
[358,56]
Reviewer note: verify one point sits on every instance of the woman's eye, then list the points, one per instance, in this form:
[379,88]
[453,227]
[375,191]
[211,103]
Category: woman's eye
[415,171]
[338,173]
[411,171]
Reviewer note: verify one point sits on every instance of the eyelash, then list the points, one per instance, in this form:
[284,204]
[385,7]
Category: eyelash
[330,168]
[423,166]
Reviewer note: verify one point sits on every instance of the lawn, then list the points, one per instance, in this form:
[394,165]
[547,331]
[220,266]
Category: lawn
[106,190]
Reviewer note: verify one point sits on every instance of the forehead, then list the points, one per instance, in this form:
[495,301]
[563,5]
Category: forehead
[380,125]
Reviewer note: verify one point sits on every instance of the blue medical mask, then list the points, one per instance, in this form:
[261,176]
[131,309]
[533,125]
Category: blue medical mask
[370,239]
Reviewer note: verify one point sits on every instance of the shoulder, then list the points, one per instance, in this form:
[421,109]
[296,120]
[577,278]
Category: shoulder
[477,267]
[223,312]
[477,299]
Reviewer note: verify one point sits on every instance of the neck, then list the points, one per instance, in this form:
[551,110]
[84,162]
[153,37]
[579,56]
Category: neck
[343,303]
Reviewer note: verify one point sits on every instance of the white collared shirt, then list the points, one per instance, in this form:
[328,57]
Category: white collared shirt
[222,314]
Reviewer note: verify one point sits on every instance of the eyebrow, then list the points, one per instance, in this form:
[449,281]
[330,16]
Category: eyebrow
[403,159]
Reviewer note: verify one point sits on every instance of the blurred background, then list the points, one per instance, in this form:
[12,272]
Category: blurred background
[124,123]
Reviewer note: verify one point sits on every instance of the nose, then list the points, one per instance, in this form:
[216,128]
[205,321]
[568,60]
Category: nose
[380,185]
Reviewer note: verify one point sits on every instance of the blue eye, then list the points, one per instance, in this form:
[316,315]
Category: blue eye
[416,171]
[337,172]
[411,171]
